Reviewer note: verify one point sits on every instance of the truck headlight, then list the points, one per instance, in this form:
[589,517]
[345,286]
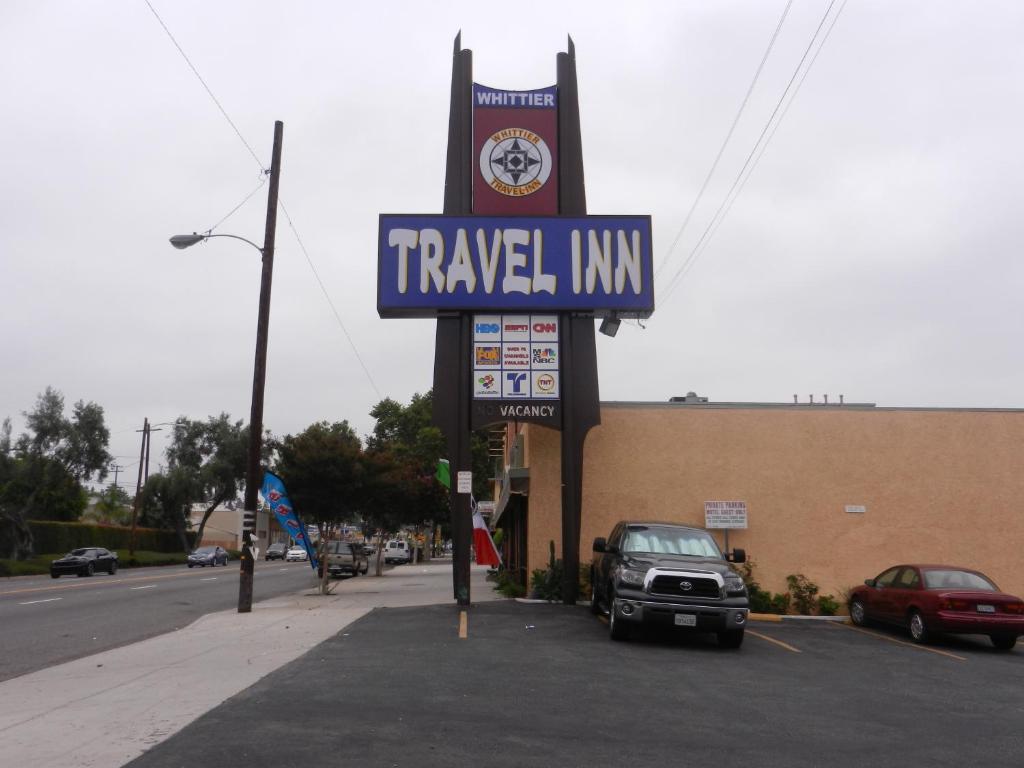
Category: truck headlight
[631,577]
[734,584]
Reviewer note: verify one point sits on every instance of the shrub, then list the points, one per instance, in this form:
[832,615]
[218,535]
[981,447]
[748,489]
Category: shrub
[803,593]
[761,600]
[547,584]
[505,585]
[51,536]
[827,605]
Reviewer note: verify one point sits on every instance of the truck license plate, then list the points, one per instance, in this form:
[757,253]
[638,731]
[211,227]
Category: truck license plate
[686,620]
[986,608]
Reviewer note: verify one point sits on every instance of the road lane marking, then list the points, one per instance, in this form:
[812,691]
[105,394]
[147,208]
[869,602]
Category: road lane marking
[47,600]
[209,578]
[779,643]
[901,642]
[100,582]
[463,625]
[147,586]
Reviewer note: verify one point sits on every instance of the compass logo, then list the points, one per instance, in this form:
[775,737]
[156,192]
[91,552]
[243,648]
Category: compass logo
[515,162]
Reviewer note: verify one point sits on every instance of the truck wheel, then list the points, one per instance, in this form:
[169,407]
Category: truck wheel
[730,638]
[595,606]
[618,630]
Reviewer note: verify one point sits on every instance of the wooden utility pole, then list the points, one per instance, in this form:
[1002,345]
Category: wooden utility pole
[253,475]
[138,485]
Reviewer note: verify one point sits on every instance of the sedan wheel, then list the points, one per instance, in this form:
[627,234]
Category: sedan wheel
[918,630]
[1003,642]
[857,615]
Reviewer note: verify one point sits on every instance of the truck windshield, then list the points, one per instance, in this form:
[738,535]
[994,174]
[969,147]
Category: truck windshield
[670,541]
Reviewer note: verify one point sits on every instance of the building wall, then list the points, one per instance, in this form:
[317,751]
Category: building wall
[939,485]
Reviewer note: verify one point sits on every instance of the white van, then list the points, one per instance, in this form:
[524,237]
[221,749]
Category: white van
[397,551]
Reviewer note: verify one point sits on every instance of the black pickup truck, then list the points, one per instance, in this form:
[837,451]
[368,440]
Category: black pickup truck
[674,575]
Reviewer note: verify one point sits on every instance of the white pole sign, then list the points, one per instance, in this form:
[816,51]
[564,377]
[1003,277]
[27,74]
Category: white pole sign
[725,514]
[464,482]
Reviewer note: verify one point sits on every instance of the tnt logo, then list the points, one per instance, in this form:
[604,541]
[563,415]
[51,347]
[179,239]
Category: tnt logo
[514,383]
[545,327]
[487,327]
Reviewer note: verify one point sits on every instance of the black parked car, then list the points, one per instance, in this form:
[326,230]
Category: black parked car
[211,556]
[85,562]
[276,551]
[660,573]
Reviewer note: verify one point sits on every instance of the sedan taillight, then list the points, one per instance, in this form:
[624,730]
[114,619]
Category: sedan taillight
[1017,608]
[953,604]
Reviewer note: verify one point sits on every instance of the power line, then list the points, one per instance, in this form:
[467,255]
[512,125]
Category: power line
[263,170]
[715,220]
[728,136]
[200,78]
[263,180]
[771,135]
[320,282]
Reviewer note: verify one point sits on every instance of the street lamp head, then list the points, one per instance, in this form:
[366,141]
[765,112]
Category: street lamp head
[184,241]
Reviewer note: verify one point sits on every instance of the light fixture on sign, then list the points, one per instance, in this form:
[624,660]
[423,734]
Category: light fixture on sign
[610,325]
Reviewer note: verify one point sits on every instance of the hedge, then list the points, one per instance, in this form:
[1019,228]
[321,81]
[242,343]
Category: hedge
[50,537]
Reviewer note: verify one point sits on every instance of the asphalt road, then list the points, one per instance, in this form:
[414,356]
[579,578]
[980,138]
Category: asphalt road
[46,621]
[543,685]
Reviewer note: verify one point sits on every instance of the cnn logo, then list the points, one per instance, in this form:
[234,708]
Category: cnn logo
[545,327]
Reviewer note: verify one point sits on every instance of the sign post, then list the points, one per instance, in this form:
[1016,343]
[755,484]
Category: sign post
[515,272]
[725,515]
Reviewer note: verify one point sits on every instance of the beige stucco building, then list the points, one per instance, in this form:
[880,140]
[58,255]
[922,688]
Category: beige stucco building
[835,492]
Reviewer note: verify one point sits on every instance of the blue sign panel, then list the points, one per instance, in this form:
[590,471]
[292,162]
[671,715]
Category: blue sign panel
[429,265]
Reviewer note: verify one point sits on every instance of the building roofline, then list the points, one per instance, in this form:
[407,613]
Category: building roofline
[798,407]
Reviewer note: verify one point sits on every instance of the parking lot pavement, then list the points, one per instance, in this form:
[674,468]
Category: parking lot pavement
[542,685]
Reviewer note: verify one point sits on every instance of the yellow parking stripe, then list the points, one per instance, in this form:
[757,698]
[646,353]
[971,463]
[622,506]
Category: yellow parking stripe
[463,625]
[779,643]
[902,642]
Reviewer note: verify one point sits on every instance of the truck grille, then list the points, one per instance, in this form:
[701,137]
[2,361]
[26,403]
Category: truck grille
[664,584]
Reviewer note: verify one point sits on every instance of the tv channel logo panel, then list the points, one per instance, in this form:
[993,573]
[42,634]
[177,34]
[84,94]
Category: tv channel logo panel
[544,384]
[544,357]
[544,328]
[486,355]
[515,328]
[515,385]
[515,356]
[487,328]
[486,384]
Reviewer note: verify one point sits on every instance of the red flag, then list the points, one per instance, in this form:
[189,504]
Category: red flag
[486,552]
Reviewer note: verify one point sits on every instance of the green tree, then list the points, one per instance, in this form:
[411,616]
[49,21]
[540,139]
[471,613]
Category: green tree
[322,469]
[214,452]
[166,497]
[406,434]
[113,506]
[41,477]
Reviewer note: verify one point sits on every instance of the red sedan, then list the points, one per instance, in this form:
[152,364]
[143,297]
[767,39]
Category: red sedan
[929,599]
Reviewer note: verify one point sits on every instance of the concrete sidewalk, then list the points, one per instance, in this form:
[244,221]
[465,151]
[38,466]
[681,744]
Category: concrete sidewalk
[105,710]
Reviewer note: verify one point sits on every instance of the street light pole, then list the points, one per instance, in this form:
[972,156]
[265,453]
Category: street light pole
[253,478]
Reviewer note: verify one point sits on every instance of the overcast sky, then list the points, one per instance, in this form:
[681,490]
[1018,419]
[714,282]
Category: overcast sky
[874,251]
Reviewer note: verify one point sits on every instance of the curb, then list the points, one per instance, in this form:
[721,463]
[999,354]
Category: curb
[775,617]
